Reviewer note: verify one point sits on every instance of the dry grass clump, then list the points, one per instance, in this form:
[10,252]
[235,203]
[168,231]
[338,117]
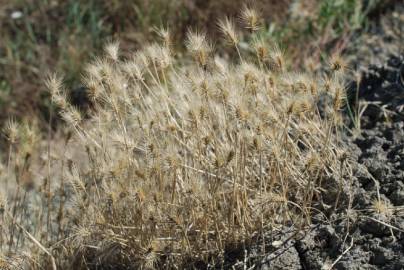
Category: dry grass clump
[180,163]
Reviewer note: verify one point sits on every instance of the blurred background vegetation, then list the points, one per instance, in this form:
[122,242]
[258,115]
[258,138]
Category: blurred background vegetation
[41,36]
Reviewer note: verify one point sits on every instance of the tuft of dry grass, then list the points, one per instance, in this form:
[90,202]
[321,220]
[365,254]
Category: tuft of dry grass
[178,162]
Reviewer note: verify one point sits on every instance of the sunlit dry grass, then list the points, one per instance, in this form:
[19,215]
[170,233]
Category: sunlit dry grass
[177,162]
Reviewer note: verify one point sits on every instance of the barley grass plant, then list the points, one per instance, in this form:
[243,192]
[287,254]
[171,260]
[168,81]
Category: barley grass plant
[179,161]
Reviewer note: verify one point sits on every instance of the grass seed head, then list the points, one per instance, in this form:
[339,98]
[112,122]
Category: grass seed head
[159,56]
[251,18]
[337,63]
[165,35]
[277,58]
[198,46]
[54,83]
[228,30]
[94,89]
[299,105]
[112,50]
[11,131]
[72,116]
[339,96]
[261,50]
